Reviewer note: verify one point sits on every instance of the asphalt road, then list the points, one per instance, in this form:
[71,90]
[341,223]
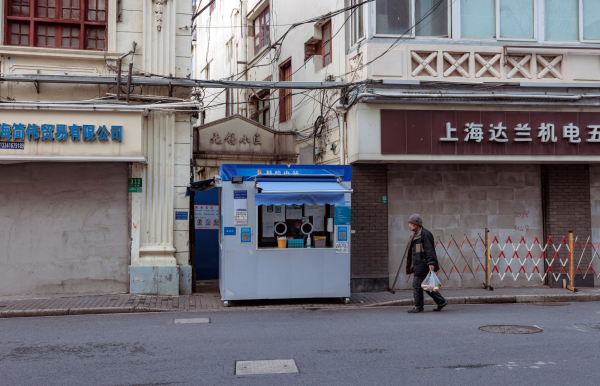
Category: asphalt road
[377,346]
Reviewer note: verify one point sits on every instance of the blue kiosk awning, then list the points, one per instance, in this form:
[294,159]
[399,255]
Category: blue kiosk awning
[300,191]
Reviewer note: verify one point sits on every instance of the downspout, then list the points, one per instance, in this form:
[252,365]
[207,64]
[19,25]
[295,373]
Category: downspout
[244,61]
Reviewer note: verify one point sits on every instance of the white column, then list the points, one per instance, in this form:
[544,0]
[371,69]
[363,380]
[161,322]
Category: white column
[153,216]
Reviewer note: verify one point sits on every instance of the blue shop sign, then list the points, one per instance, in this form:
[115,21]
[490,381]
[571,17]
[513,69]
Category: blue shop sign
[249,171]
[229,231]
[60,133]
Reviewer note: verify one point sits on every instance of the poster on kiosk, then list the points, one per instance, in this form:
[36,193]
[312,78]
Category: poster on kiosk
[286,231]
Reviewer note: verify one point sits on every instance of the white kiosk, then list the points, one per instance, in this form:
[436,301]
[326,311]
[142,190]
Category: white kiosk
[285,231]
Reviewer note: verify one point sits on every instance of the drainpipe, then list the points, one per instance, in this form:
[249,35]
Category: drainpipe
[244,48]
[343,133]
[119,61]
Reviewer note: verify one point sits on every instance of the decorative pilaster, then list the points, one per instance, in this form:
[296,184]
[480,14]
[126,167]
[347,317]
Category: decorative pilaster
[160,29]
[154,228]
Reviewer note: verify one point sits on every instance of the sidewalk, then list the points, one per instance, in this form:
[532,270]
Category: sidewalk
[208,299]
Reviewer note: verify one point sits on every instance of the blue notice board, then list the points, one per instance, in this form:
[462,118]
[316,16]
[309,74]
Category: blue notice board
[181,215]
[342,215]
[229,231]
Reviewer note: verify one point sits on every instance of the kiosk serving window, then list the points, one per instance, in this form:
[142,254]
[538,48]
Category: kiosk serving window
[297,211]
[294,222]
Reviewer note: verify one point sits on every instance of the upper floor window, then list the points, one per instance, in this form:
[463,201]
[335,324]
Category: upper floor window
[261,105]
[503,19]
[324,46]
[572,20]
[358,22]
[412,17]
[261,31]
[285,95]
[56,23]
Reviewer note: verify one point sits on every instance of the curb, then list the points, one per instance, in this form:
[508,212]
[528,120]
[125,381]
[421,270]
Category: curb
[498,299]
[78,311]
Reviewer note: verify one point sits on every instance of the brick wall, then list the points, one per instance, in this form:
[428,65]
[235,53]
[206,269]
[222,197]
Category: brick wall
[370,221]
[568,206]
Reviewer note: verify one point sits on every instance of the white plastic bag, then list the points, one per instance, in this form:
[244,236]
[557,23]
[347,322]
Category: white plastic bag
[431,282]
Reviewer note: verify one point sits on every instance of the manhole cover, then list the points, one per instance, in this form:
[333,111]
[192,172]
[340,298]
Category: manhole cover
[555,304]
[500,329]
[285,366]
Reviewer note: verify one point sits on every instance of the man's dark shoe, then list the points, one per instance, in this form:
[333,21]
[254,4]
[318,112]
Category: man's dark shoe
[440,306]
[415,310]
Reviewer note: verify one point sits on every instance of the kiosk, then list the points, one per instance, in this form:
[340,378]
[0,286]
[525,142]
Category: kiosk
[285,231]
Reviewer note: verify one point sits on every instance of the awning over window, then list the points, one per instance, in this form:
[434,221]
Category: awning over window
[311,192]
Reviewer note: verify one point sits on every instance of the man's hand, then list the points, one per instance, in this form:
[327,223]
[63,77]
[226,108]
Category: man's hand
[431,267]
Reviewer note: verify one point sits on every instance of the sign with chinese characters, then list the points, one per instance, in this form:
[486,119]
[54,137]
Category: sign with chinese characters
[490,132]
[206,217]
[240,207]
[231,139]
[135,185]
[60,132]
[34,135]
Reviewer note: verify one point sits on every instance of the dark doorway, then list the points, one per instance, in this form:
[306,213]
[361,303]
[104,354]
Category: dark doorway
[207,220]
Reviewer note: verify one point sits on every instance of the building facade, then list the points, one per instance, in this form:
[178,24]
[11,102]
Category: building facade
[94,167]
[476,114]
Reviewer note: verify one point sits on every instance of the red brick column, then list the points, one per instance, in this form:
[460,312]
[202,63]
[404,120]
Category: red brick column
[567,207]
[370,221]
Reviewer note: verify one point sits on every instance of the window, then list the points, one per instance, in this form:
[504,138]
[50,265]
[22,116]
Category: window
[505,19]
[478,19]
[262,105]
[261,31]
[358,22]
[213,5]
[229,51]
[398,17]
[285,95]
[324,46]
[275,223]
[57,23]
[516,19]
[431,18]
[564,21]
[392,17]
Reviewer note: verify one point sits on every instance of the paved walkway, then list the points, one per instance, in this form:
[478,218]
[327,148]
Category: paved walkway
[209,299]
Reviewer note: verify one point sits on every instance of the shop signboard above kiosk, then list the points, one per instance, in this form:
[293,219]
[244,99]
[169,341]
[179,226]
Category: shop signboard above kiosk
[279,239]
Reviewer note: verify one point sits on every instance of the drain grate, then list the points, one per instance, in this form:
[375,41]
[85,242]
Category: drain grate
[285,366]
[551,304]
[508,329]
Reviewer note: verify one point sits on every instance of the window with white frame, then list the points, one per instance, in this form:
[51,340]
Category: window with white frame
[502,19]
[572,20]
[358,21]
[398,17]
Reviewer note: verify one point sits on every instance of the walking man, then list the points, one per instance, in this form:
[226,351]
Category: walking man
[421,258]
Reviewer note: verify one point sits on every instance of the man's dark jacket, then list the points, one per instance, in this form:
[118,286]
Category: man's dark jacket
[420,253]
